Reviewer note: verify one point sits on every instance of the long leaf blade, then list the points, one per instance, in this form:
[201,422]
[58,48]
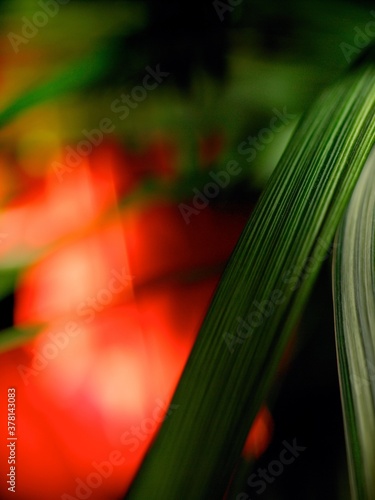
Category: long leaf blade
[354,292]
[274,265]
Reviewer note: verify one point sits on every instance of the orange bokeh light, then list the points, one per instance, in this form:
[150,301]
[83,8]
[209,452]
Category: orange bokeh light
[121,298]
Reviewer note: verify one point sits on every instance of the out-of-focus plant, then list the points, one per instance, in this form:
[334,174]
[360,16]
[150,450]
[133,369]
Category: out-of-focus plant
[121,205]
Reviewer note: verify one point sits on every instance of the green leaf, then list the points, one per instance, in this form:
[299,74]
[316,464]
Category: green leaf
[15,337]
[354,292]
[78,75]
[261,295]
[8,280]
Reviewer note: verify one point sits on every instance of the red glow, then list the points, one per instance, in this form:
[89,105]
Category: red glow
[260,435]
[100,370]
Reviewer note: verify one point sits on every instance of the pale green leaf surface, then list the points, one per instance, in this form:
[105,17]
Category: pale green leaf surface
[354,292]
